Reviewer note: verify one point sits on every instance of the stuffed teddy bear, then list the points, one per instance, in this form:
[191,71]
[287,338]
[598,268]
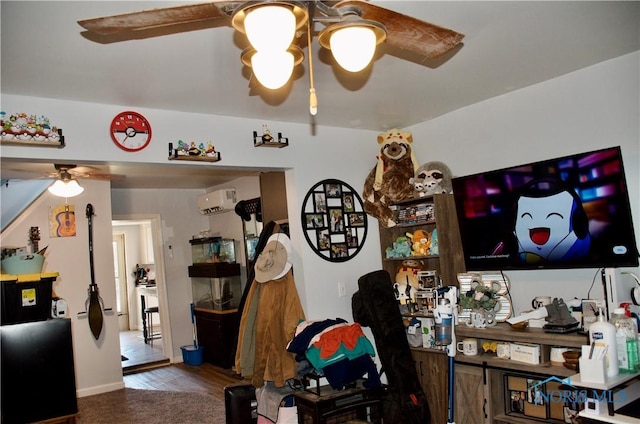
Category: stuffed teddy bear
[387,182]
[431,178]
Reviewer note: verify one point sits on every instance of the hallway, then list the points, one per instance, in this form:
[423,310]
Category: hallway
[140,355]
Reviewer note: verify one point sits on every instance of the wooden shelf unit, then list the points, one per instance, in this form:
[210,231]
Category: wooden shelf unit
[431,364]
[450,261]
[494,371]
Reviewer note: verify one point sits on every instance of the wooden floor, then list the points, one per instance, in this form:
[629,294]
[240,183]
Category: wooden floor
[206,378]
[148,368]
[139,354]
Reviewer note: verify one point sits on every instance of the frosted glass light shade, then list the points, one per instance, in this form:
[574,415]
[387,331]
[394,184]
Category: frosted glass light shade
[70,188]
[272,69]
[353,47]
[270,28]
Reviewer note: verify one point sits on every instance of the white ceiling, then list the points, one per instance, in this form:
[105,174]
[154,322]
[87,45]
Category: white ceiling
[508,45]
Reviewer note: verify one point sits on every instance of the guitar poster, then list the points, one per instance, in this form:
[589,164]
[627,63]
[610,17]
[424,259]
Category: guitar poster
[62,221]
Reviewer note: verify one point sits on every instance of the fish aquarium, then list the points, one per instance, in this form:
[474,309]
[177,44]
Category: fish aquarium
[212,250]
[216,286]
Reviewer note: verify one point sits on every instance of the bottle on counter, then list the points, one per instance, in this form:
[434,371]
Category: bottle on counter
[626,341]
[603,334]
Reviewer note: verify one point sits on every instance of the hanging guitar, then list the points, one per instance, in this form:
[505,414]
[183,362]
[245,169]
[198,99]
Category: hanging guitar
[94,306]
[34,238]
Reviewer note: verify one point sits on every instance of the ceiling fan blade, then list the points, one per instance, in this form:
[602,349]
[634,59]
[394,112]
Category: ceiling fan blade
[82,169]
[157,18]
[408,33]
[96,176]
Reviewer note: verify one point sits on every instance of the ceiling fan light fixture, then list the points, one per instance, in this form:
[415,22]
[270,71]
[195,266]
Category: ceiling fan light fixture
[273,69]
[270,26]
[353,42]
[68,188]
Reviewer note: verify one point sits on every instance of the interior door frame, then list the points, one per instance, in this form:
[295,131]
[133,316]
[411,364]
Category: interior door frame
[161,281]
[123,282]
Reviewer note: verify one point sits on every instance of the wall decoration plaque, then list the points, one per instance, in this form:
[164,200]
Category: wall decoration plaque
[334,220]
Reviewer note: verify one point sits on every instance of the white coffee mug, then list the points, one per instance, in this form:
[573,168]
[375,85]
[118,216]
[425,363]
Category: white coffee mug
[468,347]
[540,301]
[503,350]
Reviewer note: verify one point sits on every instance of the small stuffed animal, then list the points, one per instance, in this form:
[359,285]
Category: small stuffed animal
[434,249]
[431,178]
[387,181]
[420,242]
[401,248]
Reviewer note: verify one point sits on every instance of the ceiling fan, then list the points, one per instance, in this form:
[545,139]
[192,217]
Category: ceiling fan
[66,176]
[65,171]
[272,61]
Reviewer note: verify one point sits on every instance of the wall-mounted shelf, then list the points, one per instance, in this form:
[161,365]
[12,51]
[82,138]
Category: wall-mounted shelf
[23,129]
[58,143]
[196,158]
[266,140]
[276,144]
[193,153]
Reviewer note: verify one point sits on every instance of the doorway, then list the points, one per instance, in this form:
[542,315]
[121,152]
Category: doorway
[137,244]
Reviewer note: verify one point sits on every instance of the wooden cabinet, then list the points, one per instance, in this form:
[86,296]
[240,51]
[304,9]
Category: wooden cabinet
[432,366]
[470,397]
[449,261]
[216,334]
[482,392]
[494,380]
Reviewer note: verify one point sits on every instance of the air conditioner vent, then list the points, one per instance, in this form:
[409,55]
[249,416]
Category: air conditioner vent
[217,201]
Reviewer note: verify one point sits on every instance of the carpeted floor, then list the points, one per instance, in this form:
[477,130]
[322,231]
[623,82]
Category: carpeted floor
[128,406]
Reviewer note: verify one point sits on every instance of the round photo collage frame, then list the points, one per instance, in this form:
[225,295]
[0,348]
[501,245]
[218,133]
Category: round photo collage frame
[334,220]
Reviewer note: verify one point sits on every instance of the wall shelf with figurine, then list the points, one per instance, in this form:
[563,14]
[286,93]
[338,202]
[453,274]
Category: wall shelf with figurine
[33,143]
[193,153]
[22,129]
[267,140]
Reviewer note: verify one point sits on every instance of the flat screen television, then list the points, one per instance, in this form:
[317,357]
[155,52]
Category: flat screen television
[568,212]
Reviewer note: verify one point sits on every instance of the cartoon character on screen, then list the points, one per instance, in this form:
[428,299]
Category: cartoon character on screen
[550,223]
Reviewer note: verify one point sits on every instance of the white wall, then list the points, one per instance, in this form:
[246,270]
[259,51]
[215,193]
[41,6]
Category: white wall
[586,110]
[97,362]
